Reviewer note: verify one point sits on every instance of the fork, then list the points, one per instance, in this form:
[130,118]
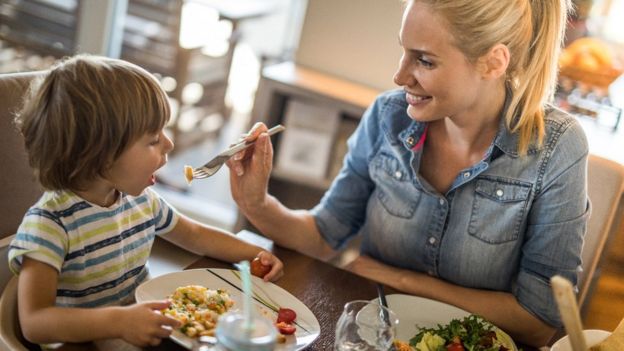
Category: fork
[212,166]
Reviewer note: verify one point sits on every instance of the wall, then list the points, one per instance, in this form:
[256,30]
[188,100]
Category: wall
[355,40]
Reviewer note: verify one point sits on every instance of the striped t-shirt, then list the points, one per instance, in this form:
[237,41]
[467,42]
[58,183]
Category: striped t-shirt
[99,252]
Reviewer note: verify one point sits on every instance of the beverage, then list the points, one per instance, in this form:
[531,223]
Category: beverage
[234,334]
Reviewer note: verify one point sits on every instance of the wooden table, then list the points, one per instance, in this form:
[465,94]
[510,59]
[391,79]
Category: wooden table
[322,287]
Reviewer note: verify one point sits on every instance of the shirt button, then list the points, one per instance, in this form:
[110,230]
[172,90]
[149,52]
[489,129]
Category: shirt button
[410,141]
[499,192]
[432,240]
[466,174]
[441,202]
[398,174]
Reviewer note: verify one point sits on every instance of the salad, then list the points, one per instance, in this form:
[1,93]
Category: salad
[473,333]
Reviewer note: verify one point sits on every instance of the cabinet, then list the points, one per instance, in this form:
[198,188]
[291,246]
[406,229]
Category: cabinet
[284,83]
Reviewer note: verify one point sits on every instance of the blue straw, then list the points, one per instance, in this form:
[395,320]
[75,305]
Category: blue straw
[243,267]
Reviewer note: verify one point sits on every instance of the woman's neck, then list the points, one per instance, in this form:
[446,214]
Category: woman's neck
[473,132]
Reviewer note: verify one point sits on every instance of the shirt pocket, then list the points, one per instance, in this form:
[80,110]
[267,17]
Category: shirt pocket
[498,209]
[393,186]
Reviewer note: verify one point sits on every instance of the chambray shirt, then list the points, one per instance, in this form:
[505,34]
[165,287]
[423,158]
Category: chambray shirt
[508,223]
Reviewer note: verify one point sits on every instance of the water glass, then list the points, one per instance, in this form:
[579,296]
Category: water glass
[365,326]
[233,333]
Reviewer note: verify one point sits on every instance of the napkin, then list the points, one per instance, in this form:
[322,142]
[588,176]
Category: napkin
[614,342]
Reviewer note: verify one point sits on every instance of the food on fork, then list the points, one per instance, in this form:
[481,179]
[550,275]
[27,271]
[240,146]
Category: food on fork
[188,174]
[198,309]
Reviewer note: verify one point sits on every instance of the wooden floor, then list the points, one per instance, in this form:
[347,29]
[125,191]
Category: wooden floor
[606,308]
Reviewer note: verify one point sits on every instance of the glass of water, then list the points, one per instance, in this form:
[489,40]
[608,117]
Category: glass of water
[364,326]
[233,333]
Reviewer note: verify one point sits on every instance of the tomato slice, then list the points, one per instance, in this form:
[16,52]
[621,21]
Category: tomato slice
[286,315]
[285,328]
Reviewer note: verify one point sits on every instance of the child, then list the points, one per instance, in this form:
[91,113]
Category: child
[93,129]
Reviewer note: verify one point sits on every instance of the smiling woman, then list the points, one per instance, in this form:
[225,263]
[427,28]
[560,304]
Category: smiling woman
[472,129]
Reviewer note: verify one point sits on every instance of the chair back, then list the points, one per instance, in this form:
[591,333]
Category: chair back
[605,183]
[18,187]
[19,190]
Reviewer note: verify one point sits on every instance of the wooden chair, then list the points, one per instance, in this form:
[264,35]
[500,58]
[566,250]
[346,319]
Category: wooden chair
[605,181]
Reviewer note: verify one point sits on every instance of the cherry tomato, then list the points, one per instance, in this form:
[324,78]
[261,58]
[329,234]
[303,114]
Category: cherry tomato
[285,328]
[455,347]
[258,269]
[286,315]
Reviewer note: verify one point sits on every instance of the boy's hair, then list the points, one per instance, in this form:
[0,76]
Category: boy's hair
[86,111]
[533,31]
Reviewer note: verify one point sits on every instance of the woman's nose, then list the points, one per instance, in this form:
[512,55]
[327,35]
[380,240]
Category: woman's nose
[403,76]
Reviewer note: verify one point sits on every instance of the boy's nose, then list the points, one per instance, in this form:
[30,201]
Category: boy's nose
[168,144]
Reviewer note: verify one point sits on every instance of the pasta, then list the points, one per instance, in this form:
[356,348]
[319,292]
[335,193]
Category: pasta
[198,309]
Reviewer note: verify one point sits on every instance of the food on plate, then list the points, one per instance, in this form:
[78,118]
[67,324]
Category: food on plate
[188,174]
[613,342]
[284,323]
[198,308]
[471,333]
[258,269]
[286,315]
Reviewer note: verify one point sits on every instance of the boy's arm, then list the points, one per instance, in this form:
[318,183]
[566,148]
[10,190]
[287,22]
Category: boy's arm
[216,243]
[42,322]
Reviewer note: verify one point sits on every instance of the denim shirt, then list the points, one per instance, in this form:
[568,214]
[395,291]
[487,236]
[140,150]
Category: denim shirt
[508,223]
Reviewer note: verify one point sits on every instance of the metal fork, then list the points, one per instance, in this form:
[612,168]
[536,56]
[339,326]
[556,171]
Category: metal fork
[212,166]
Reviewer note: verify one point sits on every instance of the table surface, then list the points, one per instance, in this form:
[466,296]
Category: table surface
[320,286]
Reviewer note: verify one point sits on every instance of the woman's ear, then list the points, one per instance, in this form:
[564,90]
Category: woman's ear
[494,63]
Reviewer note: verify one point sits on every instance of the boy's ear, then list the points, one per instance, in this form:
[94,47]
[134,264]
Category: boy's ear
[494,63]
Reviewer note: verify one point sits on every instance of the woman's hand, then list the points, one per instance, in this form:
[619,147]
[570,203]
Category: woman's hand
[250,170]
[267,259]
[142,324]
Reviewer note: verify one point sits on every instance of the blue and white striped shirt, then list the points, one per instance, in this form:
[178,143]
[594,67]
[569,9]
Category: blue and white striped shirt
[99,252]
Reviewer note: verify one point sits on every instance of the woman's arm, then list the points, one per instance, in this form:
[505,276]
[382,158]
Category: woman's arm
[500,308]
[213,242]
[42,322]
[249,177]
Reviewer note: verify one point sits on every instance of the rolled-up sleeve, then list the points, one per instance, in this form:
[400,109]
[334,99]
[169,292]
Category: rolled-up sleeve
[342,210]
[556,226]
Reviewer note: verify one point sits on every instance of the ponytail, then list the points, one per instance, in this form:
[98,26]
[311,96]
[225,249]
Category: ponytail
[534,83]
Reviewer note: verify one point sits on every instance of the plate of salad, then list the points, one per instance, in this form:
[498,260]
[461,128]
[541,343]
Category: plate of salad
[429,325]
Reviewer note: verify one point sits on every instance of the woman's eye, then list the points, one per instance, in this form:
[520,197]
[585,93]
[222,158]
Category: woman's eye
[425,63]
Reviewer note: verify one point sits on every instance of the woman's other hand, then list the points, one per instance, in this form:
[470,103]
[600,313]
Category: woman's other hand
[268,261]
[142,324]
[250,170]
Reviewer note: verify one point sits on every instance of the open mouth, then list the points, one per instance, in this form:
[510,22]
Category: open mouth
[416,99]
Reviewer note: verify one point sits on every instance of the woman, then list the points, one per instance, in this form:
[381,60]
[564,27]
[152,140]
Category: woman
[465,186]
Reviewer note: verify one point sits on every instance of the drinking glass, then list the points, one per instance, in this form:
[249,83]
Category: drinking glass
[365,326]
[233,335]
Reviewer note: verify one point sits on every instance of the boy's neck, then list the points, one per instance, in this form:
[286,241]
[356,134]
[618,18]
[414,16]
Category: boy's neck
[100,194]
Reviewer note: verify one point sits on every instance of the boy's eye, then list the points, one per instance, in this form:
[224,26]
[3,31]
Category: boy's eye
[155,141]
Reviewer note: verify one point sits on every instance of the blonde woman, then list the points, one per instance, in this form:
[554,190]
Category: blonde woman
[465,185]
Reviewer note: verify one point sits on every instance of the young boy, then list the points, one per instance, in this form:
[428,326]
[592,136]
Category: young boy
[93,129]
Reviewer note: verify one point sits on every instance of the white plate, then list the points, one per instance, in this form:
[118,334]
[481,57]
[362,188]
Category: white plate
[592,337]
[308,328]
[414,312]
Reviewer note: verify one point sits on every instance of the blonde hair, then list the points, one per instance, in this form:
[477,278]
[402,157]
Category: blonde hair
[533,31]
[81,116]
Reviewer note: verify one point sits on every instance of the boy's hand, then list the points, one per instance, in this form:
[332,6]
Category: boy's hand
[277,267]
[142,324]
